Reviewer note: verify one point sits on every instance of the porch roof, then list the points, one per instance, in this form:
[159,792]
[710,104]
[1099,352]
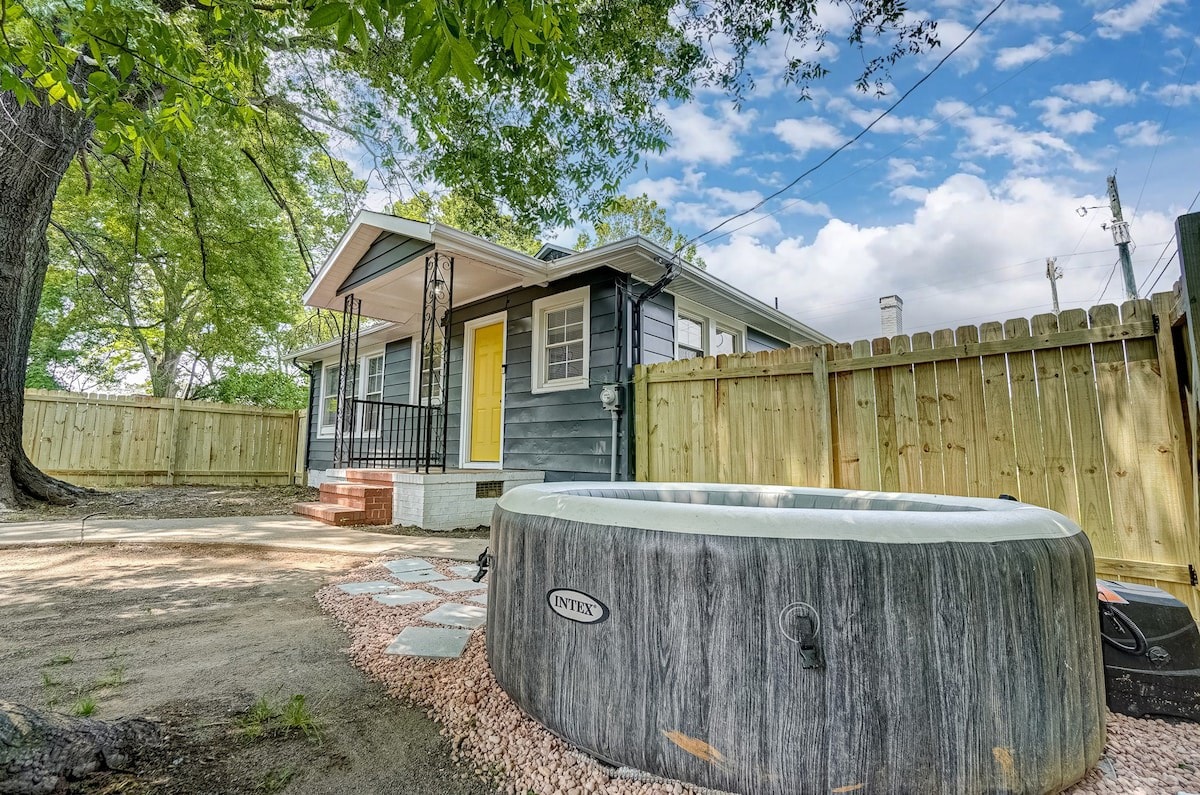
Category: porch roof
[381,259]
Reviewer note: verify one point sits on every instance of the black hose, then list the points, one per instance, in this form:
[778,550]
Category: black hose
[1125,623]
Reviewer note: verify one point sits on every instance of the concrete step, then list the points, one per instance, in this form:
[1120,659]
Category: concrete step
[337,515]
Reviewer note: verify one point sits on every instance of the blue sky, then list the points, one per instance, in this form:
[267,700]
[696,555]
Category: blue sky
[955,200]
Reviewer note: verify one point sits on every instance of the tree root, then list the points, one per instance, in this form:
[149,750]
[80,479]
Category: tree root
[41,751]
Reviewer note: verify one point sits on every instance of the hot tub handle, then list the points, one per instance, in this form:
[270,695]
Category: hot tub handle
[808,636]
[484,561]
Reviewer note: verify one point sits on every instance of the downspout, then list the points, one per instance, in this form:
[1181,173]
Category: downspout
[671,270]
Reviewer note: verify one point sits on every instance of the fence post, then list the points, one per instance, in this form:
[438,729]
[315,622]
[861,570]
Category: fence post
[641,424]
[173,441]
[299,431]
[821,417]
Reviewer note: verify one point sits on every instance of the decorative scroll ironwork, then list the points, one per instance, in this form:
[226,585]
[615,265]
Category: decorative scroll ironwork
[434,374]
[343,426]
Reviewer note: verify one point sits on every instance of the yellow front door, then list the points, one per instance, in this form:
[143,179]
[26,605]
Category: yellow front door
[487,388]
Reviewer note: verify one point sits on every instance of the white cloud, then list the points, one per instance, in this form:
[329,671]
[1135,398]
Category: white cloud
[901,170]
[950,33]
[1097,92]
[993,136]
[1117,22]
[1014,57]
[967,253]
[861,117]
[1056,116]
[909,193]
[700,138]
[1030,12]
[665,189]
[1141,133]
[804,135]
[1179,94]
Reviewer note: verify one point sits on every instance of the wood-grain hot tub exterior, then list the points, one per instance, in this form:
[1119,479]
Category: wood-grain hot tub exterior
[782,640]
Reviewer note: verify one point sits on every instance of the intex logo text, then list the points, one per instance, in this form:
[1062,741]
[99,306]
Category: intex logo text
[577,606]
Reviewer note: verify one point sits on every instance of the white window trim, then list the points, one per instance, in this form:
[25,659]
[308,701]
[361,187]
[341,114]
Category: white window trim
[538,385]
[328,431]
[414,369]
[709,320]
[468,372]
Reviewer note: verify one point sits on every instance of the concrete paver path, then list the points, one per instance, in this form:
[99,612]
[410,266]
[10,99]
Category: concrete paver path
[284,532]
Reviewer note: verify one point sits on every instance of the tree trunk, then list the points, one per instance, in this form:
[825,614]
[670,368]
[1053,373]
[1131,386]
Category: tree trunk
[36,148]
[40,752]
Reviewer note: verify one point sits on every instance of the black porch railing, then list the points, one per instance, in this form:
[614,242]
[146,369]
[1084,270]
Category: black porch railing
[394,435]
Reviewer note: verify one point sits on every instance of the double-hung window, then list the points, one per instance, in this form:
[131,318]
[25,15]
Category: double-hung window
[702,332]
[366,378]
[561,341]
[431,368]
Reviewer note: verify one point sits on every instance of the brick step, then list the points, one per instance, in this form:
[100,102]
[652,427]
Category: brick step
[360,491]
[372,477]
[337,515]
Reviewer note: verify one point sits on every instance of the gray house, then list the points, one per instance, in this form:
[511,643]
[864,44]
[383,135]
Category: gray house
[465,367]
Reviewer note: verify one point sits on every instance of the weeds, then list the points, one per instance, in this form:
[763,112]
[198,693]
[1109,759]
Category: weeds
[265,719]
[84,707]
[59,659]
[276,780]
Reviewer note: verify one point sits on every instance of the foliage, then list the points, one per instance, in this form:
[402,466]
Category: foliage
[268,719]
[271,389]
[626,216]
[470,214]
[192,269]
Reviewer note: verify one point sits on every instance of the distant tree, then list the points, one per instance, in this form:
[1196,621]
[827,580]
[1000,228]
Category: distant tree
[626,216]
[270,389]
[476,215]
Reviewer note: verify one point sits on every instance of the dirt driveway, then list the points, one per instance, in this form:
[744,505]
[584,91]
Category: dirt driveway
[196,636]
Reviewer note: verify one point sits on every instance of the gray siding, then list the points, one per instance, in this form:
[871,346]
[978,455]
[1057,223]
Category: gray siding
[757,341]
[387,252]
[566,434]
[320,450]
[658,323]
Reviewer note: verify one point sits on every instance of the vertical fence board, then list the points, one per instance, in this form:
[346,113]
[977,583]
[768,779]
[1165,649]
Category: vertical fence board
[954,440]
[1027,422]
[908,443]
[865,420]
[997,405]
[1095,511]
[889,475]
[1058,461]
[929,425]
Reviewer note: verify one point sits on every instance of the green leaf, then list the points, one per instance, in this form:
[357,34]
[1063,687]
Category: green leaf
[374,16]
[326,15]
[344,29]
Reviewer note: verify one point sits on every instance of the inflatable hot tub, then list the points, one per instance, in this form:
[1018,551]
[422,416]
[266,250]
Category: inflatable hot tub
[784,640]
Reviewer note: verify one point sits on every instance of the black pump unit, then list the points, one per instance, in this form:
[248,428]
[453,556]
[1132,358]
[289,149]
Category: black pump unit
[1151,651]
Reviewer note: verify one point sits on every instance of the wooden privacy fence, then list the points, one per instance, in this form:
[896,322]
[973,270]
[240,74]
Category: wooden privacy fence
[110,440]
[1080,413]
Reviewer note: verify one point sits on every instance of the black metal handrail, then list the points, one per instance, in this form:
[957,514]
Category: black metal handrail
[384,435]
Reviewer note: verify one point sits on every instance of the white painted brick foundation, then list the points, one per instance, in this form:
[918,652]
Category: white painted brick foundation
[443,501]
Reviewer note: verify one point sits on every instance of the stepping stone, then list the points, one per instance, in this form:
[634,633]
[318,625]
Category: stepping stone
[429,642]
[465,570]
[423,575]
[407,564]
[377,586]
[458,586]
[456,615]
[480,598]
[403,598]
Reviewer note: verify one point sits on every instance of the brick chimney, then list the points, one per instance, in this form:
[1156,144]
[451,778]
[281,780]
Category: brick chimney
[891,315]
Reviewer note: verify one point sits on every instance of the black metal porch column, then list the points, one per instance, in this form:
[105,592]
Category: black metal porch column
[343,426]
[435,338]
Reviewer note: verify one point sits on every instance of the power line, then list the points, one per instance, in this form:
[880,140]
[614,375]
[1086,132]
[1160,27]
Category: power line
[969,105]
[1142,290]
[855,139]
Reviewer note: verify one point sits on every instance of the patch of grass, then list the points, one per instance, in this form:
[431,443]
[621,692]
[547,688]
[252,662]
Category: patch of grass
[84,707]
[266,719]
[115,677]
[59,659]
[48,681]
[276,780]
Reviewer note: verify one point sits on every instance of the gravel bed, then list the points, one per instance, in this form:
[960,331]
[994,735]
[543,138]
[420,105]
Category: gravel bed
[503,746]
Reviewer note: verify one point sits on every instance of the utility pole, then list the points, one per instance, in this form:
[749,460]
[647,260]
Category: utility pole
[1053,273]
[1121,238]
